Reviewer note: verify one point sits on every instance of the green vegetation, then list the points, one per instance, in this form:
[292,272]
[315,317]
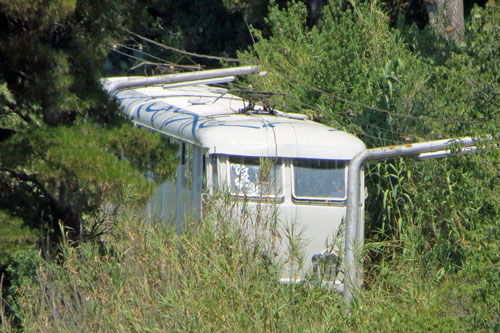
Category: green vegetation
[144,278]
[66,155]
[73,172]
[357,73]
[14,236]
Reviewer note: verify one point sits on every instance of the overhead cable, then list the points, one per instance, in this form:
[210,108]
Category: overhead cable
[196,55]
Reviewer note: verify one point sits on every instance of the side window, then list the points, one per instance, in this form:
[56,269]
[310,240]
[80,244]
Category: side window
[255,177]
[319,179]
[215,173]
[204,173]
[187,160]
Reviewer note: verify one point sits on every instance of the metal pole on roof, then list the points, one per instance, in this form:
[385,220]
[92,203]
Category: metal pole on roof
[138,81]
[354,241]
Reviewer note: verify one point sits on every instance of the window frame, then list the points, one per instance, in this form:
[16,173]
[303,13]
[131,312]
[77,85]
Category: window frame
[318,199]
[280,162]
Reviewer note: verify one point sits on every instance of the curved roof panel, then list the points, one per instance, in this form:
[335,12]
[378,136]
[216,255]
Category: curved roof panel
[212,118]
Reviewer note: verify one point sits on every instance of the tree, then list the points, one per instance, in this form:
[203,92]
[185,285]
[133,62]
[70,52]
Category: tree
[447,18]
[66,155]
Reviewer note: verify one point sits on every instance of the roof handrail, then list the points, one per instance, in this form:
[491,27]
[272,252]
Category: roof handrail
[138,81]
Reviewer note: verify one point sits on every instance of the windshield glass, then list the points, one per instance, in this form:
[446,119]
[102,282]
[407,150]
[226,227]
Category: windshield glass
[319,179]
[255,177]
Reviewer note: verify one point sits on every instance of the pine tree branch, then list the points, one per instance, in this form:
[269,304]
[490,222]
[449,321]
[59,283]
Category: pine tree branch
[23,116]
[60,212]
[22,176]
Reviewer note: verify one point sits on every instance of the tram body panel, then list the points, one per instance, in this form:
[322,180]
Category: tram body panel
[229,147]
[306,231]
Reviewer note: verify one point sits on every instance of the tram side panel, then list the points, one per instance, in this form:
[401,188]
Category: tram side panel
[179,200]
[293,231]
[162,205]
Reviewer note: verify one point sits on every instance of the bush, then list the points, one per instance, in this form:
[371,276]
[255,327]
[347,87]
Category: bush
[360,75]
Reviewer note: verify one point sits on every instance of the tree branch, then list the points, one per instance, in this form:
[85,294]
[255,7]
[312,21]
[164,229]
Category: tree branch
[60,212]
[23,116]
[29,178]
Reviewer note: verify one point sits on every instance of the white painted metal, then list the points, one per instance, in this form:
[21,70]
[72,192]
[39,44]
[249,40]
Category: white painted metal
[117,83]
[179,206]
[212,122]
[197,179]
[219,126]
[225,79]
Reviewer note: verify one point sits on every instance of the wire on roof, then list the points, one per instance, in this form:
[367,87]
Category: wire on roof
[165,62]
[315,108]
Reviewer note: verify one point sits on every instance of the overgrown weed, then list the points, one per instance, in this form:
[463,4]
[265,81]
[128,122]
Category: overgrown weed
[211,278]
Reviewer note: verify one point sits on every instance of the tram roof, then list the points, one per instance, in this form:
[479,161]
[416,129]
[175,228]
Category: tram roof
[212,118]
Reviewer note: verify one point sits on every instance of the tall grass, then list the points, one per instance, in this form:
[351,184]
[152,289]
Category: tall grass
[212,278]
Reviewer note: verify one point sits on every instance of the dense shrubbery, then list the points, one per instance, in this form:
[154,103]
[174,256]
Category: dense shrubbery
[361,75]
[398,86]
[54,115]
[66,155]
[433,227]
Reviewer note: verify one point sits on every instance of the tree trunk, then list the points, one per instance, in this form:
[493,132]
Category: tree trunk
[447,18]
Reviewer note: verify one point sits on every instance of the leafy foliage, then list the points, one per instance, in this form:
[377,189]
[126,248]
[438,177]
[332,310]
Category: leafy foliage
[14,236]
[359,74]
[353,56]
[81,169]
[65,154]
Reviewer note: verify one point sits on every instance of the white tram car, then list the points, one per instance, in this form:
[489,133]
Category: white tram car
[223,145]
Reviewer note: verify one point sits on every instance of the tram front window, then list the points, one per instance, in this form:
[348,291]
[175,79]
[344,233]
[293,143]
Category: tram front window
[255,177]
[319,179]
